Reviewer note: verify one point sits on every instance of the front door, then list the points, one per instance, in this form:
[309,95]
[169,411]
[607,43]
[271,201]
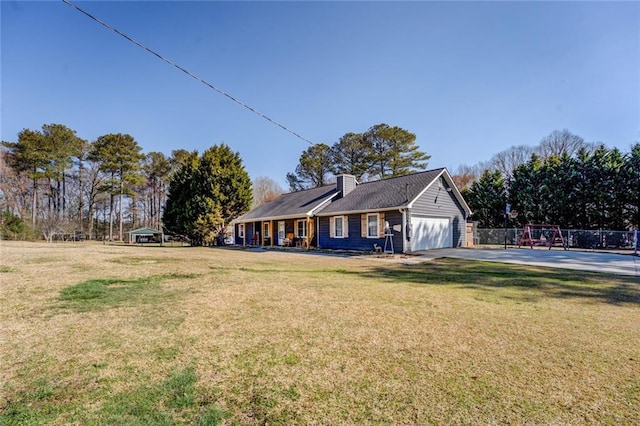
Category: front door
[281,232]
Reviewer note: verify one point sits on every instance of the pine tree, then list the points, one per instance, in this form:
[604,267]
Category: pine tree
[315,164]
[394,151]
[29,157]
[352,154]
[120,157]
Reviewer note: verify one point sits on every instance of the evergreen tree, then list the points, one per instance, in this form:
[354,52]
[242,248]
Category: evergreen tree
[312,171]
[120,157]
[604,172]
[631,177]
[180,212]
[207,193]
[156,170]
[61,145]
[29,157]
[394,151]
[295,183]
[487,199]
[558,180]
[524,192]
[352,154]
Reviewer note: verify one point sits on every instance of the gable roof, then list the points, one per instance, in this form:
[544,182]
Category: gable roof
[291,205]
[392,193]
[144,231]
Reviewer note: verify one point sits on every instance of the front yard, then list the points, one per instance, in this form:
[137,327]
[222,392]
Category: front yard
[99,334]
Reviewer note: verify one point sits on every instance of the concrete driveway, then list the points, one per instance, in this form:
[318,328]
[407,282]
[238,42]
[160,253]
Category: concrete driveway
[580,260]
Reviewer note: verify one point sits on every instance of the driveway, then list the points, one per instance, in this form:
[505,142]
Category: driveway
[580,260]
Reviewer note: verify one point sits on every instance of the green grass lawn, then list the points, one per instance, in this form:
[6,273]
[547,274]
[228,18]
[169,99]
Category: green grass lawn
[95,334]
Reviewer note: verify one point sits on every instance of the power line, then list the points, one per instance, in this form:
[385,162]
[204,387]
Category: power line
[184,70]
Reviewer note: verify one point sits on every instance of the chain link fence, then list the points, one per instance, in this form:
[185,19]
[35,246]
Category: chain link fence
[574,238]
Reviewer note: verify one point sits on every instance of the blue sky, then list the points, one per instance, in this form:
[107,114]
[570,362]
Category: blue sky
[468,78]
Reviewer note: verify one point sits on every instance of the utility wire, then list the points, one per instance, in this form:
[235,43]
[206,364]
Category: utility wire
[184,70]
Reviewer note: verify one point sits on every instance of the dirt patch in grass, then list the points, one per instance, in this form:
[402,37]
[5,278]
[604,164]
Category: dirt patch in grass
[284,338]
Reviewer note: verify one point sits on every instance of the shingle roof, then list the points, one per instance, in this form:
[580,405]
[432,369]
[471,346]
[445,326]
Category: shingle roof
[383,194]
[293,204]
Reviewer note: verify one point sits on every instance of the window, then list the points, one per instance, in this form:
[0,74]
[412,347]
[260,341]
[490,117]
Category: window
[301,227]
[266,229]
[241,230]
[339,226]
[372,225]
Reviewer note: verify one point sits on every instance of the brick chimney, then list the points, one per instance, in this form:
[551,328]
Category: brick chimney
[345,184]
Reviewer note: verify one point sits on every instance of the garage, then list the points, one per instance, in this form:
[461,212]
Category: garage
[431,233]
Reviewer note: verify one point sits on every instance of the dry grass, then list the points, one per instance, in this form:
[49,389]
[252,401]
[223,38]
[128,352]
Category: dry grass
[203,336]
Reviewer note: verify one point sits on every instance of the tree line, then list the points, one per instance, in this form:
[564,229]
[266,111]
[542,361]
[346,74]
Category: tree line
[574,185]
[54,182]
[380,152]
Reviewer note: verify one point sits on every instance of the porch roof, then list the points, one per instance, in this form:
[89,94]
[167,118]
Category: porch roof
[291,205]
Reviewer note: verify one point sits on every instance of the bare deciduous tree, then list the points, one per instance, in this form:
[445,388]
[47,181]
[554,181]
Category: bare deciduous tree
[506,161]
[561,142]
[265,189]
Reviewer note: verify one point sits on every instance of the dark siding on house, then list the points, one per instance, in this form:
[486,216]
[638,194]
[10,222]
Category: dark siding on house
[441,203]
[355,241]
[248,234]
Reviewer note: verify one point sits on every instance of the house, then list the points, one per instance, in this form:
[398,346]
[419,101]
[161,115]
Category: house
[420,211]
[286,220]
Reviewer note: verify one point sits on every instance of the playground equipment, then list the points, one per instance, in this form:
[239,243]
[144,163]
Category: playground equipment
[542,235]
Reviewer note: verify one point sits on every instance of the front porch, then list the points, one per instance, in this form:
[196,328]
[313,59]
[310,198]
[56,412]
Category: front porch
[294,232]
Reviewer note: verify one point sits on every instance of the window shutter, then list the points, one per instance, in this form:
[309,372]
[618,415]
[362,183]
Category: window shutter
[332,227]
[345,226]
[381,225]
[363,225]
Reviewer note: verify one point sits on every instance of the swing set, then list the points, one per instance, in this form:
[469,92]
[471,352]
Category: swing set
[542,235]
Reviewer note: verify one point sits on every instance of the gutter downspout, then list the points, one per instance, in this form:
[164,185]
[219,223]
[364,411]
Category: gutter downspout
[404,230]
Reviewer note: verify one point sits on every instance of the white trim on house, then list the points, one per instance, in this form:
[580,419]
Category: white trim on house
[344,227]
[322,205]
[377,228]
[304,228]
[405,237]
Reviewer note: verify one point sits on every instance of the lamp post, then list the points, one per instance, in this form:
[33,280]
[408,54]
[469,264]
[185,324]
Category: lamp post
[507,210]
[507,207]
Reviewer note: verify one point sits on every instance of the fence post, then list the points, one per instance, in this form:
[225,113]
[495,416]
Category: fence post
[635,242]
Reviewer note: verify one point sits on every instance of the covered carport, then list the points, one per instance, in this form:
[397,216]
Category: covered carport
[145,235]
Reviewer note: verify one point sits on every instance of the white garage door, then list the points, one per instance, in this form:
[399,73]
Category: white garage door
[431,233]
